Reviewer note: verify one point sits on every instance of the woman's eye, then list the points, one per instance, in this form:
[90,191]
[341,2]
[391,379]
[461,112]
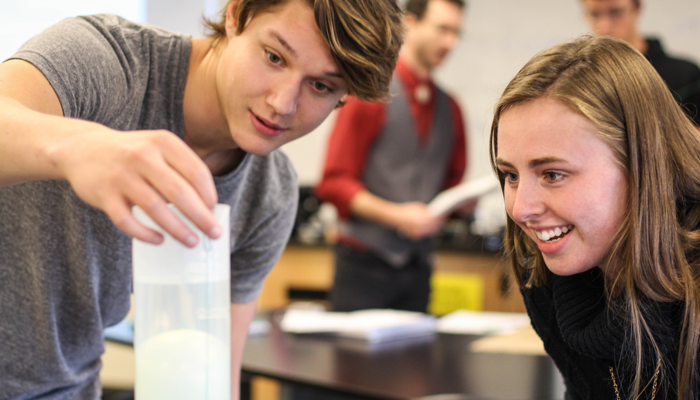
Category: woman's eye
[510,177]
[273,58]
[552,176]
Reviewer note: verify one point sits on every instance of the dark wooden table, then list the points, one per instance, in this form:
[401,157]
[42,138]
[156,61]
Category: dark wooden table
[413,369]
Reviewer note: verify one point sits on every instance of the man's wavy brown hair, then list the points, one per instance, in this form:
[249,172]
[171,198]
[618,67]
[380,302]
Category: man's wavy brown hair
[364,37]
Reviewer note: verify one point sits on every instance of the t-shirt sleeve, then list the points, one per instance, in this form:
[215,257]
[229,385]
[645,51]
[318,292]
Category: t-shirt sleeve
[87,65]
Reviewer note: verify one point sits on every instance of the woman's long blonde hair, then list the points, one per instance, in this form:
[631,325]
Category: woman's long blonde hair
[656,251]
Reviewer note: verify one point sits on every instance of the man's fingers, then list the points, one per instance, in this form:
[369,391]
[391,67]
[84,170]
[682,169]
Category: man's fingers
[157,209]
[186,163]
[176,190]
[122,217]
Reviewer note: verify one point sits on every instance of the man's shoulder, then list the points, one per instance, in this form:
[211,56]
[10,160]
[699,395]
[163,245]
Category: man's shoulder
[357,106]
[117,32]
[278,170]
[667,64]
[265,181]
[115,23]
[263,191]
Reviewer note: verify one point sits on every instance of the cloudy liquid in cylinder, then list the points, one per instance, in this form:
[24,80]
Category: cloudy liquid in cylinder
[182,340]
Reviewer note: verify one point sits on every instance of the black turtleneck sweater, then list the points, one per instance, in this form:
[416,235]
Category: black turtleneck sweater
[681,76]
[584,334]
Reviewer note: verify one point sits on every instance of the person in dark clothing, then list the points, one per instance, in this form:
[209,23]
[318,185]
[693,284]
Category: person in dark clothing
[600,174]
[618,18]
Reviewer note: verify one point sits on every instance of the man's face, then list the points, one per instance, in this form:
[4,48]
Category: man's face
[276,81]
[433,36]
[616,18]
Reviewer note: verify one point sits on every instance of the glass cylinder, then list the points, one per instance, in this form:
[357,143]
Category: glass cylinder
[182,314]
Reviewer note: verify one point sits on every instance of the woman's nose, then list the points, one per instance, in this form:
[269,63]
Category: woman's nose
[526,202]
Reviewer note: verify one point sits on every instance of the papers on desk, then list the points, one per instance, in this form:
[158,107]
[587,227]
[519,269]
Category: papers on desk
[373,326]
[448,200]
[523,341]
[482,322]
[509,333]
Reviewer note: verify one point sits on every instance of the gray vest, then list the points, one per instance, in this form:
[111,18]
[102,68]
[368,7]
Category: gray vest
[402,168]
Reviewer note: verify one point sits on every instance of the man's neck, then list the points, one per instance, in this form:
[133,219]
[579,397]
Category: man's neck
[417,68]
[206,128]
[639,43]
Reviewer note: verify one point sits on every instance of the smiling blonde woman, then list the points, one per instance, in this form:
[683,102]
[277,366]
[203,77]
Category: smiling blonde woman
[600,170]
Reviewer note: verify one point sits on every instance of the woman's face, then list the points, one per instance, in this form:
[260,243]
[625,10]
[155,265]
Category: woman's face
[563,186]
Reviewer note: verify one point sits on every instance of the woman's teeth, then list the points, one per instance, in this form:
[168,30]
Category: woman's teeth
[553,235]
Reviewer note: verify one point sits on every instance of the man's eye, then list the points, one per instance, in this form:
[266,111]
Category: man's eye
[321,87]
[553,176]
[273,58]
[616,14]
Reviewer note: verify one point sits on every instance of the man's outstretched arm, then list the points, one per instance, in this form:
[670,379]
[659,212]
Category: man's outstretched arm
[109,170]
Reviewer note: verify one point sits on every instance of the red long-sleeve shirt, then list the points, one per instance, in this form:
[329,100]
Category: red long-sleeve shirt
[360,123]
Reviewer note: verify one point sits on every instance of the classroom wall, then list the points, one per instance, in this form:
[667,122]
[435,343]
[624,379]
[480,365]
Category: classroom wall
[21,20]
[499,37]
[182,15]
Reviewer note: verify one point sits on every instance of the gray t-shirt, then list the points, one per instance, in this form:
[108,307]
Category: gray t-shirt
[65,269]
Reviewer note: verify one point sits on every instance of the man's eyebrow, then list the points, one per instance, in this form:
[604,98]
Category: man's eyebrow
[294,54]
[283,42]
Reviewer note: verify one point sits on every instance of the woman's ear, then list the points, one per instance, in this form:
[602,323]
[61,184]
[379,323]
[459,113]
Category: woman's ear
[231,20]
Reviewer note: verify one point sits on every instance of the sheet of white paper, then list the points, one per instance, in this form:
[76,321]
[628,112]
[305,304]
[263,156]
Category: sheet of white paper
[481,322]
[370,325]
[446,201]
[522,341]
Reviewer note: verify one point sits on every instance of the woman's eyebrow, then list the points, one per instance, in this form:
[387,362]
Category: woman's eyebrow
[544,160]
[533,163]
[500,161]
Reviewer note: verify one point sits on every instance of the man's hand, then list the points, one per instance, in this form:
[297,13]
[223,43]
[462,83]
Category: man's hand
[114,171]
[412,219]
[416,221]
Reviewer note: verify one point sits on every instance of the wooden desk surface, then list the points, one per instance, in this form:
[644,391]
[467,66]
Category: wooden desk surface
[430,366]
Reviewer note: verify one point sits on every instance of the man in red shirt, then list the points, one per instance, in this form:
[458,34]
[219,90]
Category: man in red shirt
[386,161]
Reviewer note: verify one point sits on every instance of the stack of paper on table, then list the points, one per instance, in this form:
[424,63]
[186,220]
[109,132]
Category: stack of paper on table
[481,322]
[523,341]
[370,325]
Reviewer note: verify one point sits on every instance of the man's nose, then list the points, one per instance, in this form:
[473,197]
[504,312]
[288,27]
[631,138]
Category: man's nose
[449,39]
[284,95]
[603,26]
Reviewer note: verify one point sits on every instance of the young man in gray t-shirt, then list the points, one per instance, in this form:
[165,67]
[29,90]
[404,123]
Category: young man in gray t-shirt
[98,114]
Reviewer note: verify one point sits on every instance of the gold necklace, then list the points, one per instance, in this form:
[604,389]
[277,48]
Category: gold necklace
[653,387]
